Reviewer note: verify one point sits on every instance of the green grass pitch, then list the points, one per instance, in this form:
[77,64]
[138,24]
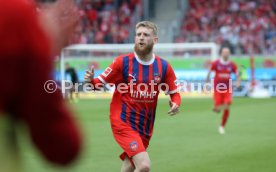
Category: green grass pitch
[187,142]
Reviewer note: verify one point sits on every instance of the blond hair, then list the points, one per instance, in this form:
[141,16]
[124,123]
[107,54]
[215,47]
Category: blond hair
[149,25]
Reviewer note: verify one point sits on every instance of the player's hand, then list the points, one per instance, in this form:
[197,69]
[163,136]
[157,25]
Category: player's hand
[174,108]
[89,75]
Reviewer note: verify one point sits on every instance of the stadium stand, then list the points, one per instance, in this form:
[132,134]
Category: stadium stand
[246,26]
[106,21]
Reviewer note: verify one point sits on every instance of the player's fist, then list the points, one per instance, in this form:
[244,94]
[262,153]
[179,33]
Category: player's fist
[174,108]
[89,75]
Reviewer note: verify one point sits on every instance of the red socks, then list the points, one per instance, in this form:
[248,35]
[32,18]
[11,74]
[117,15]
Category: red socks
[225,117]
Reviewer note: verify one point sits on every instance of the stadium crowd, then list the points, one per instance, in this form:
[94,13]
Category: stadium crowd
[246,26]
[105,21]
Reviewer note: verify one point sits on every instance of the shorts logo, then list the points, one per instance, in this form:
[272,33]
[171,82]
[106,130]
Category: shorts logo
[107,71]
[157,78]
[133,146]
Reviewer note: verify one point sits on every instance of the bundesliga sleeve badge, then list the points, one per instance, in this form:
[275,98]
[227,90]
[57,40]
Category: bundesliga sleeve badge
[107,71]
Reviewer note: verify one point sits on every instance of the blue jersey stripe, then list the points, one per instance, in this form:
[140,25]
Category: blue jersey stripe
[141,122]
[155,68]
[145,73]
[123,113]
[132,119]
[164,68]
[148,123]
[125,68]
[135,68]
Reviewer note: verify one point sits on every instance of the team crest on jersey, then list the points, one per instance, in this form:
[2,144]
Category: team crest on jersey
[107,71]
[157,78]
[133,146]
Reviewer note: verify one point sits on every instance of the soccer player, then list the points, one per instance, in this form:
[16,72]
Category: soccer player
[223,68]
[132,113]
[71,71]
[25,66]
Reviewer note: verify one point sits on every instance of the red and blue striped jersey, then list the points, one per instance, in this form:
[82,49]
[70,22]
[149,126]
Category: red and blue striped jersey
[138,84]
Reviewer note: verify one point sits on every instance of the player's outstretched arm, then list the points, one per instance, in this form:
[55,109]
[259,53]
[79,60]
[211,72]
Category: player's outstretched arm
[111,75]
[238,80]
[171,81]
[208,76]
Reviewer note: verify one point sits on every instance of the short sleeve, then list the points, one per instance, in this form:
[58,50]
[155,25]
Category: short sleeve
[213,66]
[235,69]
[170,80]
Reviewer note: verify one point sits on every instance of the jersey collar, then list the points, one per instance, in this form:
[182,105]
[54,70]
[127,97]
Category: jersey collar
[224,62]
[143,62]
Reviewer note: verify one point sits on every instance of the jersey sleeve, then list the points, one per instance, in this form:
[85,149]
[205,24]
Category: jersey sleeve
[170,81]
[176,98]
[235,68]
[113,73]
[213,66]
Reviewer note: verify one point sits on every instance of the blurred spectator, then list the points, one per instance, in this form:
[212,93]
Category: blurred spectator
[25,65]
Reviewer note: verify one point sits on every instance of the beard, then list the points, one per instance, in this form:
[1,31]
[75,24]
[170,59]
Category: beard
[143,51]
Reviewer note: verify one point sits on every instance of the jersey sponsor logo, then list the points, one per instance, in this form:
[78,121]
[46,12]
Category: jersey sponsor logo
[107,71]
[224,75]
[157,78]
[143,94]
[133,146]
[221,68]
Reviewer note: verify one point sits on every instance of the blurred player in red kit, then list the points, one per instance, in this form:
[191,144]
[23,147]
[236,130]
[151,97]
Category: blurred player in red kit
[132,113]
[223,68]
[25,65]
